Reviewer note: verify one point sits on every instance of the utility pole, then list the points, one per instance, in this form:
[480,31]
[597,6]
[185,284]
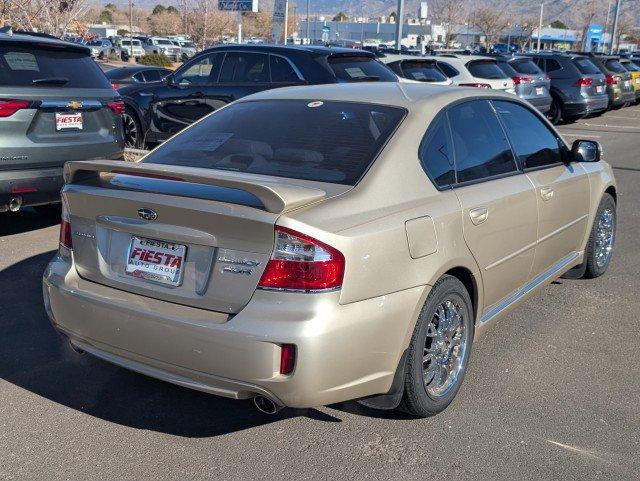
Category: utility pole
[399,19]
[614,30]
[540,26]
[308,20]
[286,20]
[606,22]
[132,59]
[184,16]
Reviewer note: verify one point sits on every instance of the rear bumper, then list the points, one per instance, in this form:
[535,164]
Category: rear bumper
[586,106]
[342,351]
[541,102]
[34,186]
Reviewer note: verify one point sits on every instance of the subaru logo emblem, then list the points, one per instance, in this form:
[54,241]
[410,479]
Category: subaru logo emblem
[147,214]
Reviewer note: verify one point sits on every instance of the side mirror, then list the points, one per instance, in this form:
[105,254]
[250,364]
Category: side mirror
[586,151]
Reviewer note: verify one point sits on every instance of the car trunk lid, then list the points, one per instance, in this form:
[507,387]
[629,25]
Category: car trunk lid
[142,217]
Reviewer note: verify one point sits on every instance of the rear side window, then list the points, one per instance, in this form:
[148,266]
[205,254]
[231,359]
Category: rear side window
[480,145]
[615,66]
[201,71]
[552,65]
[26,67]
[448,70]
[533,142]
[421,71]
[586,66]
[525,66]
[299,139]
[281,70]
[152,76]
[436,154]
[245,68]
[358,68]
[486,69]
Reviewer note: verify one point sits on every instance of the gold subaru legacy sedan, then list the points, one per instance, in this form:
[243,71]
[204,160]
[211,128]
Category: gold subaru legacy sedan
[311,245]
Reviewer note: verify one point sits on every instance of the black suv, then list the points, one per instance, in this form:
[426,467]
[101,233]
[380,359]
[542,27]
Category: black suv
[213,78]
[578,87]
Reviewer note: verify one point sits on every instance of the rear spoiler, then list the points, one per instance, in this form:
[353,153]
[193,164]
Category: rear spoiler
[277,197]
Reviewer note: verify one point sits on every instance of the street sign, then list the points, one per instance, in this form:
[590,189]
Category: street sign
[279,10]
[238,5]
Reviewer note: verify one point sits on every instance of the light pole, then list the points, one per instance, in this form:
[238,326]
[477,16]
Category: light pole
[540,26]
[308,20]
[132,59]
[614,30]
[399,18]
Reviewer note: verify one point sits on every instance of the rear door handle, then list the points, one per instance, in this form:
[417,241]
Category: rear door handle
[479,215]
[546,193]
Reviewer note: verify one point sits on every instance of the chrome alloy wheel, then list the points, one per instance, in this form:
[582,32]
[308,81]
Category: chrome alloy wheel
[605,237]
[130,131]
[445,348]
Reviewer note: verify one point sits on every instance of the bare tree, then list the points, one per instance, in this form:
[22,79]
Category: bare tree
[626,26]
[450,14]
[54,17]
[589,10]
[165,23]
[491,21]
[207,24]
[525,27]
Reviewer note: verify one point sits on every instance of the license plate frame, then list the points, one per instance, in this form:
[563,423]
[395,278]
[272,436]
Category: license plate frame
[69,121]
[156,261]
[599,89]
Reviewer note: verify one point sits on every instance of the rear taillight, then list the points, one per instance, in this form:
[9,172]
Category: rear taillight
[521,80]
[10,107]
[117,107]
[116,86]
[548,77]
[612,79]
[287,358]
[583,82]
[65,228]
[477,85]
[302,263]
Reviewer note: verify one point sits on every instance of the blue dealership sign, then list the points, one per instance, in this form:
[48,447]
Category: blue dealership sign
[238,5]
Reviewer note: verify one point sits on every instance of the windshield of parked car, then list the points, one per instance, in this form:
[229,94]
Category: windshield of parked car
[26,67]
[486,69]
[188,44]
[507,69]
[136,43]
[358,68]
[422,71]
[325,141]
[163,42]
[586,66]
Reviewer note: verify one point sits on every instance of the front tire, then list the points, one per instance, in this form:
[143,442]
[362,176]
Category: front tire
[602,238]
[440,348]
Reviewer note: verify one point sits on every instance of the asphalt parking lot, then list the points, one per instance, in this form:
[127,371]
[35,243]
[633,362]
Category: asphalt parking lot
[553,391]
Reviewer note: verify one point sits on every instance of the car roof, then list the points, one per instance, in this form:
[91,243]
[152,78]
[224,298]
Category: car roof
[395,57]
[283,49]
[42,40]
[416,97]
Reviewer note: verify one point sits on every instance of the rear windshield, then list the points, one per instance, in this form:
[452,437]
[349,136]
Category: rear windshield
[25,67]
[630,66]
[486,69]
[299,139]
[422,71]
[586,66]
[507,69]
[359,68]
[525,66]
[615,66]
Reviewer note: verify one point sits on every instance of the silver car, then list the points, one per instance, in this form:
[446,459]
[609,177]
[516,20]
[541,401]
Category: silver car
[103,49]
[161,45]
[56,105]
[530,82]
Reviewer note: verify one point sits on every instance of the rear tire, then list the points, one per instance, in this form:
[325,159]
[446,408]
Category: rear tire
[440,348]
[602,238]
[555,112]
[133,135]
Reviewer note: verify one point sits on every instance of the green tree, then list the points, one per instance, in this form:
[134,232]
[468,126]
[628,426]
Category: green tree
[172,9]
[558,24]
[158,9]
[111,6]
[105,16]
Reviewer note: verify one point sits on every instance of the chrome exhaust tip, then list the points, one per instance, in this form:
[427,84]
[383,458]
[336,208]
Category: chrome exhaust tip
[15,204]
[266,405]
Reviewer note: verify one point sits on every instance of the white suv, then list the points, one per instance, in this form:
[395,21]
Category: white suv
[474,71]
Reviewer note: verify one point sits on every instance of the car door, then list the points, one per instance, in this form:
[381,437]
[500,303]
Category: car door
[187,96]
[562,190]
[500,216]
[243,73]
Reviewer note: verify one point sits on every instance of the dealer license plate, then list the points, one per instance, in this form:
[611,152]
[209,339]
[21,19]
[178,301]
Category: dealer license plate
[68,121]
[156,260]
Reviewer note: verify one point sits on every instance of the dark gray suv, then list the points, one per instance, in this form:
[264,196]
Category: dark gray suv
[56,105]
[578,87]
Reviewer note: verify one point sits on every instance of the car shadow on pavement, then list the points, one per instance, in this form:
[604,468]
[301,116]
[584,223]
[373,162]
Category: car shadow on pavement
[24,221]
[35,357]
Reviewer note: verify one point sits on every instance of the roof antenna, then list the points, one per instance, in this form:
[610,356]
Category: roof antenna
[7,30]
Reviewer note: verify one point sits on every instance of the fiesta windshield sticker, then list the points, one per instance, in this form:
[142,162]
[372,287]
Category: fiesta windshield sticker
[21,61]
